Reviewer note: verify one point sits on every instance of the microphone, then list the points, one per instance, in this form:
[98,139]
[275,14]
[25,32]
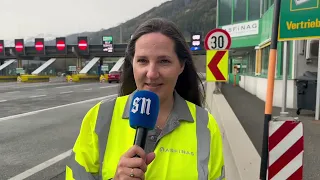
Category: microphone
[144,110]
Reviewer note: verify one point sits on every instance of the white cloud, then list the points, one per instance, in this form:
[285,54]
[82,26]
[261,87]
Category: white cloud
[25,18]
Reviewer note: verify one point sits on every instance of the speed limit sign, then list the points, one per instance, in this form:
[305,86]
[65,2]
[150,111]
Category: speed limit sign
[217,39]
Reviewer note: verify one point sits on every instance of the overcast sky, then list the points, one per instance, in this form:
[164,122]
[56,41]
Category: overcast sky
[25,18]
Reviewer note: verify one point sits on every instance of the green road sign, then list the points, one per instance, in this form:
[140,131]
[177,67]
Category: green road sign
[107,38]
[72,68]
[105,68]
[299,19]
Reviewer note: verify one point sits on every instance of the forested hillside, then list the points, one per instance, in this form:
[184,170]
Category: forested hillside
[189,15]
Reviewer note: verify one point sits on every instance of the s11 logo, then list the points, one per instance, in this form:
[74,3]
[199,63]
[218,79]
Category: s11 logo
[145,104]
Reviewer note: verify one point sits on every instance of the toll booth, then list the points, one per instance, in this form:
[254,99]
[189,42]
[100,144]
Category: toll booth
[91,67]
[45,69]
[72,70]
[8,68]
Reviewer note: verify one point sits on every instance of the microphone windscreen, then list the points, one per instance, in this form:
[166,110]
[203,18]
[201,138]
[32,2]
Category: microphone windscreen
[144,109]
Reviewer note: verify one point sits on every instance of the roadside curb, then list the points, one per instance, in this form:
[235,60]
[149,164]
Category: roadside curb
[241,158]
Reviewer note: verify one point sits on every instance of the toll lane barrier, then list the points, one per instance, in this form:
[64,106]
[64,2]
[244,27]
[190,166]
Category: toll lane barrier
[103,78]
[8,78]
[72,78]
[32,78]
[85,78]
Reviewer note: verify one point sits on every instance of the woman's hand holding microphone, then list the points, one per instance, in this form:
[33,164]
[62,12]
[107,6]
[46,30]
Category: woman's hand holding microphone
[130,167]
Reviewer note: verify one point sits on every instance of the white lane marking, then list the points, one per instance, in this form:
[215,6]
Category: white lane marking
[11,92]
[3,101]
[66,92]
[39,89]
[27,85]
[88,89]
[41,166]
[49,162]
[38,96]
[77,85]
[55,107]
[109,86]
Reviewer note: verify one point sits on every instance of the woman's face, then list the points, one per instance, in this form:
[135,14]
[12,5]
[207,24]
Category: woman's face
[156,66]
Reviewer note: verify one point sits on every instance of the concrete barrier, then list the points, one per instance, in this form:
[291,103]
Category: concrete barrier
[103,78]
[57,79]
[82,78]
[8,78]
[86,77]
[242,160]
[32,78]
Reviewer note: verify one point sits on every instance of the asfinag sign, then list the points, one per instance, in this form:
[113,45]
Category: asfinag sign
[242,29]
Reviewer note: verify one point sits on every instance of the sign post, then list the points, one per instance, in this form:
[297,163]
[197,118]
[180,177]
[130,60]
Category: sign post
[270,88]
[217,44]
[299,20]
[235,72]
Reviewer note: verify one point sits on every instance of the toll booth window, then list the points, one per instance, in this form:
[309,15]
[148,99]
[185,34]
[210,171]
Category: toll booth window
[240,10]
[225,11]
[254,12]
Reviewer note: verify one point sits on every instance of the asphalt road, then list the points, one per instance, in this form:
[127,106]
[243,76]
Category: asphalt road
[39,122]
[250,111]
[39,97]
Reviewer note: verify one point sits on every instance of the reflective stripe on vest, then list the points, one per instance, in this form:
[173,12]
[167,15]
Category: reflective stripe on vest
[78,172]
[102,129]
[179,155]
[73,169]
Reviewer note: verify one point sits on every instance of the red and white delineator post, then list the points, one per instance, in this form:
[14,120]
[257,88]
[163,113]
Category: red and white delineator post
[286,149]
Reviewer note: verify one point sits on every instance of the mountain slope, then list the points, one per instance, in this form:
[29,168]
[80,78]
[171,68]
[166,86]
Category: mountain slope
[189,15]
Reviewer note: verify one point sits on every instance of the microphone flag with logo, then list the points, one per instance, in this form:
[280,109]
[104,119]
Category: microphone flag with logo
[144,110]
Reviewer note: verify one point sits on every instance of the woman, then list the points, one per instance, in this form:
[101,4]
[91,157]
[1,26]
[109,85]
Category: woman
[186,143]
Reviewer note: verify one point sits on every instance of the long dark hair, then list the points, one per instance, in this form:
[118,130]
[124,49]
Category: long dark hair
[188,84]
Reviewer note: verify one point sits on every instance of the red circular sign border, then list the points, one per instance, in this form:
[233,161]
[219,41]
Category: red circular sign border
[214,31]
[82,47]
[35,44]
[17,43]
[2,49]
[60,48]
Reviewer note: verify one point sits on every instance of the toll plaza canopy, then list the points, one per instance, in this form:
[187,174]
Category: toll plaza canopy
[62,50]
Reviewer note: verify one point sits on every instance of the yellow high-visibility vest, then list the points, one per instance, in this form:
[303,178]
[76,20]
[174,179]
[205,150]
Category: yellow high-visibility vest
[191,151]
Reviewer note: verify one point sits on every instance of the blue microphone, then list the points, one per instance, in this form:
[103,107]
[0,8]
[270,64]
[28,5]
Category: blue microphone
[144,110]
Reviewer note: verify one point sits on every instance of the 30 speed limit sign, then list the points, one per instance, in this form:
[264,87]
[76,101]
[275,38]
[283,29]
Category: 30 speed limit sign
[217,39]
